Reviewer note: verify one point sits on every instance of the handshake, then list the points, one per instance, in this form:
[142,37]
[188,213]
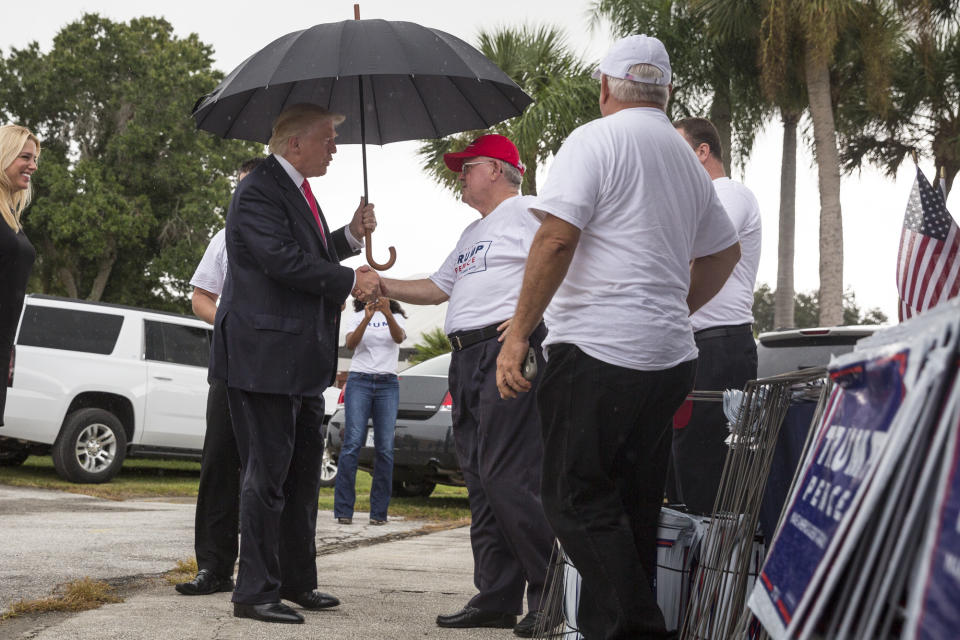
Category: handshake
[368,286]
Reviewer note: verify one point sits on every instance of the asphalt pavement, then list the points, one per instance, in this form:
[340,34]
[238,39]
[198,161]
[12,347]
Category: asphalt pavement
[392,580]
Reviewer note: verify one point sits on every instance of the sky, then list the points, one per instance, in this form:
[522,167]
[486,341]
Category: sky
[424,221]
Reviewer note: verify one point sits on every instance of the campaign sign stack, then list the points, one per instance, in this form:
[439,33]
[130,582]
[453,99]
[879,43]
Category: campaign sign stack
[869,544]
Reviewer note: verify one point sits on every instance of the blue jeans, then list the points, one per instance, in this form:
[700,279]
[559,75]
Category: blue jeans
[366,395]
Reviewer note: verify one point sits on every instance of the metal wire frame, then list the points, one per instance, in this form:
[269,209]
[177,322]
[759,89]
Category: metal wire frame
[720,586]
[553,623]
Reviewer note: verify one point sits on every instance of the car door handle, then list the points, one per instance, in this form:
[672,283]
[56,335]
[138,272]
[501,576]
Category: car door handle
[164,378]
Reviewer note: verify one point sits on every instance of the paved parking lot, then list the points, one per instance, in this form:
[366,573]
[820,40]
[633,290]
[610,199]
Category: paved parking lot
[393,580]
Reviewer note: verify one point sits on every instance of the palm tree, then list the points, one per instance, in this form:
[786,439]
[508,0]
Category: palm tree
[565,96]
[805,35]
[924,114]
[432,343]
[782,87]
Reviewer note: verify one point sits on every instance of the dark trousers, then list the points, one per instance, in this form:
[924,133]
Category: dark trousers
[218,498]
[606,436]
[727,360]
[499,448]
[281,445]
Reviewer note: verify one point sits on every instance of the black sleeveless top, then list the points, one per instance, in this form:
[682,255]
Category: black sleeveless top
[16,262]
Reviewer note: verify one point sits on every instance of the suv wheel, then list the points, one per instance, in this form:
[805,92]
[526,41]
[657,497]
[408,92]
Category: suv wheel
[13,457]
[413,488]
[90,448]
[328,466]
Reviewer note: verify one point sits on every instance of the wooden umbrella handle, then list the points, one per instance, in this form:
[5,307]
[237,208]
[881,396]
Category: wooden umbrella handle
[377,265]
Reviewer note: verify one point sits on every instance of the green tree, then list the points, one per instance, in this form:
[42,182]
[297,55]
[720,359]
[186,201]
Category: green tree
[564,94]
[925,93]
[781,82]
[128,191]
[815,32]
[807,311]
[811,52]
[432,344]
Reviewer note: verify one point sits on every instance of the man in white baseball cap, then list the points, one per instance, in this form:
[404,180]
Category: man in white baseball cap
[631,50]
[633,240]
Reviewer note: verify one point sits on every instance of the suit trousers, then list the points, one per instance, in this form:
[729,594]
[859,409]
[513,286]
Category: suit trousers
[699,450]
[607,436]
[281,445]
[500,451]
[218,498]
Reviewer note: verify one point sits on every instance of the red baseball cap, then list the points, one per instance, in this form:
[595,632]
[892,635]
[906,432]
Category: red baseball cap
[491,145]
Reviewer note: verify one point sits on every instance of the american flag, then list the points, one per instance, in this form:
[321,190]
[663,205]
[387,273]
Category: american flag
[928,267]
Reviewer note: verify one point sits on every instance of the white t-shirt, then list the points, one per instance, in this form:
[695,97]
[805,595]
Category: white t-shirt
[377,351]
[734,302]
[212,270]
[645,208]
[483,274]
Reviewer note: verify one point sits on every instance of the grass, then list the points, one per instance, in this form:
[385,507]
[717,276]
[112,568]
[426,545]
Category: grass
[146,478]
[77,595]
[183,572]
[138,478]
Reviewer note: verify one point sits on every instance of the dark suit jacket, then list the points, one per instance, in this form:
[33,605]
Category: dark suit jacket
[278,320]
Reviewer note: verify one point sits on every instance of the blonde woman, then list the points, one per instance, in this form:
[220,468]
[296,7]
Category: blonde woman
[19,150]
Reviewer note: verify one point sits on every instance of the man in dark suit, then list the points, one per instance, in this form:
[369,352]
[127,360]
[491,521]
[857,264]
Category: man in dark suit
[275,344]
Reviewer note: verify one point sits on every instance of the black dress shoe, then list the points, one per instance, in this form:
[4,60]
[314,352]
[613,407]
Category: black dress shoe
[531,623]
[311,599]
[470,617]
[205,583]
[269,612]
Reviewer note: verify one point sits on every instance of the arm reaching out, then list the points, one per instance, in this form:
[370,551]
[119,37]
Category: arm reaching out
[423,291]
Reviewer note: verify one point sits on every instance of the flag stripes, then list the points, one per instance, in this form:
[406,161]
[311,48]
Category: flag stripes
[928,268]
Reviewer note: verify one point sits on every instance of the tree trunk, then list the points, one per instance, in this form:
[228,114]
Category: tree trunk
[61,273]
[828,168]
[69,282]
[104,268]
[529,185]
[783,317]
[721,119]
[946,155]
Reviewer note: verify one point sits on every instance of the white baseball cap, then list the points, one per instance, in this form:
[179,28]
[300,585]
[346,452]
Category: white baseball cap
[636,49]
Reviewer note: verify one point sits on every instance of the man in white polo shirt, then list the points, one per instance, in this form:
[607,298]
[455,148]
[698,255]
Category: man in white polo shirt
[626,209]
[498,441]
[723,331]
[218,496]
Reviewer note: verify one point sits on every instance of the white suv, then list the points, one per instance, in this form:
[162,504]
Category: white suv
[90,383]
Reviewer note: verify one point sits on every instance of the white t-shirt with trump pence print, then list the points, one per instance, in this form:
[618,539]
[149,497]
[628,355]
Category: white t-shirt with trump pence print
[483,274]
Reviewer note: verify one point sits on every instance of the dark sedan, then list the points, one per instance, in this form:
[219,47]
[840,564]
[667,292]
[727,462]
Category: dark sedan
[423,451]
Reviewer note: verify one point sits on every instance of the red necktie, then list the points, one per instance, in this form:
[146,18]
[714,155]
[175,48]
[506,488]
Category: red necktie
[314,208]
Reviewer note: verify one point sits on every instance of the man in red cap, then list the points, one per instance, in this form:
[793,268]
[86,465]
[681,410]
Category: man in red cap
[498,441]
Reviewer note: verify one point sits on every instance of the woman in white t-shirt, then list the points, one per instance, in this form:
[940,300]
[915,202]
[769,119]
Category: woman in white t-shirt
[375,333]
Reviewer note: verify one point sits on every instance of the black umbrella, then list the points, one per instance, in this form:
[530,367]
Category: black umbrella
[393,80]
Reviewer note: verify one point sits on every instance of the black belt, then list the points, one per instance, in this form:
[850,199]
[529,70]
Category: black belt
[722,332]
[460,340]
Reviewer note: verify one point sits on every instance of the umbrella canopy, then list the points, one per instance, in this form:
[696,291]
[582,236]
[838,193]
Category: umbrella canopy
[415,83]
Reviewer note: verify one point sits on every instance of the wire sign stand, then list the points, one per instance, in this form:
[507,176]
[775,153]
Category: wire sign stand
[730,555]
